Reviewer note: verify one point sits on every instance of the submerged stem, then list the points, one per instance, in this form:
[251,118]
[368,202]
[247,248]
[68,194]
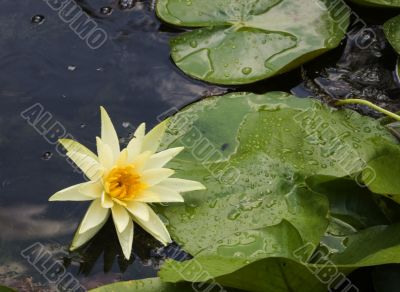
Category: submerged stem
[369,104]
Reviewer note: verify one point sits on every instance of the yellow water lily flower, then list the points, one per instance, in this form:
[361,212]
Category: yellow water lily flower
[123,183]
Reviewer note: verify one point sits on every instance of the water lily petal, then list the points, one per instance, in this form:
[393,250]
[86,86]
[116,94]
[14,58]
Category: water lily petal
[85,159]
[154,176]
[123,157]
[90,167]
[147,196]
[122,203]
[94,215]
[108,134]
[135,145]
[152,140]
[106,201]
[166,194]
[160,159]
[105,154]
[120,217]
[155,227]
[73,146]
[141,160]
[125,239]
[139,210]
[182,185]
[92,189]
[81,239]
[81,192]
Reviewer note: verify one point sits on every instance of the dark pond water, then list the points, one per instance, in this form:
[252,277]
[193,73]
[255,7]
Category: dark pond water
[43,61]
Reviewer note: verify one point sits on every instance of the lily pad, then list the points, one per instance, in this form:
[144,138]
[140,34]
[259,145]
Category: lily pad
[146,285]
[280,275]
[149,285]
[386,179]
[383,247]
[238,251]
[392,32]
[249,263]
[352,207]
[264,167]
[242,41]
[339,256]
[268,275]
[255,165]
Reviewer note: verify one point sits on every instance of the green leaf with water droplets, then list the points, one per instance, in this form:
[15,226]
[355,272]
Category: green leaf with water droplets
[384,173]
[266,275]
[352,207]
[243,41]
[249,261]
[392,32]
[255,153]
[263,159]
[377,245]
[148,285]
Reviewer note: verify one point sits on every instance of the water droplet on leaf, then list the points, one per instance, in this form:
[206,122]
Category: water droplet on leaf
[247,70]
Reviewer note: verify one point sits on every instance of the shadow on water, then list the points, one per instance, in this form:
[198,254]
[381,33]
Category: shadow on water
[43,61]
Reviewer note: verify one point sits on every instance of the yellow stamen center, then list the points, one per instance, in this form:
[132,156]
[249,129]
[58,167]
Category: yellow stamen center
[123,183]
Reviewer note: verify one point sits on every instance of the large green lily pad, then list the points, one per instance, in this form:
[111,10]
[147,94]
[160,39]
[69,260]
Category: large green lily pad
[386,167]
[298,272]
[352,208]
[263,159]
[243,41]
[283,181]
[267,275]
[254,153]
[374,246]
[149,285]
[392,32]
[146,285]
